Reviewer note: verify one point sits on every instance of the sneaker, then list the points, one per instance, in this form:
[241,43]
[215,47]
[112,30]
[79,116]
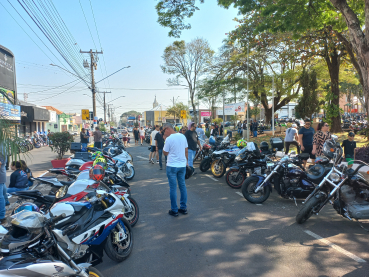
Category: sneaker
[175,214]
[183,211]
[7,203]
[157,162]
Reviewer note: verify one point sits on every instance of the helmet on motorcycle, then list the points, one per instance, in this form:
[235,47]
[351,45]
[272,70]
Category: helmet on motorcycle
[101,161]
[96,155]
[264,146]
[241,143]
[26,229]
[26,206]
[189,172]
[97,172]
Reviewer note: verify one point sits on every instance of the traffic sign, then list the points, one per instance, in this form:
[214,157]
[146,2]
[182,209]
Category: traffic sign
[164,120]
[85,114]
[183,113]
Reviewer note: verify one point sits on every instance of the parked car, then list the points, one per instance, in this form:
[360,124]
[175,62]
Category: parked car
[227,124]
[130,129]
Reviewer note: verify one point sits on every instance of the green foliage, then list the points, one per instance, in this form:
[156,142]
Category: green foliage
[175,110]
[236,137]
[136,124]
[331,110]
[61,143]
[130,113]
[102,127]
[217,120]
[207,133]
[9,140]
[308,102]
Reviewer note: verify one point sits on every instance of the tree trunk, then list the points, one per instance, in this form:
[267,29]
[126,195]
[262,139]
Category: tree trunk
[333,64]
[192,93]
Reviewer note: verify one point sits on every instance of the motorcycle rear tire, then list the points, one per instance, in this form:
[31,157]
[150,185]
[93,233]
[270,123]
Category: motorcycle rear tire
[229,176]
[135,212]
[93,272]
[221,171]
[247,185]
[307,210]
[205,165]
[111,249]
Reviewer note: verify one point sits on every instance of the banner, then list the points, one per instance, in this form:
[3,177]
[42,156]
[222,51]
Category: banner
[7,74]
[231,109]
[205,113]
[10,112]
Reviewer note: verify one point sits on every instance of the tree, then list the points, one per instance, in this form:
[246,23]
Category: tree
[188,61]
[130,113]
[176,109]
[308,102]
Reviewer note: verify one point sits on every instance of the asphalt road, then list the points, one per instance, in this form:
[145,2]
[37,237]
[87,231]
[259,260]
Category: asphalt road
[224,235]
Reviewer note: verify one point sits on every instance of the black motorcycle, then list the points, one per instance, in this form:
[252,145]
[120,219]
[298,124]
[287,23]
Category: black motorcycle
[346,189]
[248,162]
[289,179]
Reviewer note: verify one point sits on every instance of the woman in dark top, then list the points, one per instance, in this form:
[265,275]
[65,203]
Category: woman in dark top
[136,134]
[18,179]
[28,172]
[159,143]
[320,137]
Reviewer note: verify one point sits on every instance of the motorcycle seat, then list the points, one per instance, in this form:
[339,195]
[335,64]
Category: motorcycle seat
[303,155]
[28,193]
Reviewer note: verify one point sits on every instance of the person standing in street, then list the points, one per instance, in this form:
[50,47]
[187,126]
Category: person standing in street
[176,148]
[125,136]
[3,159]
[142,134]
[221,129]
[159,142]
[200,132]
[239,127]
[349,146]
[207,126]
[97,138]
[136,134]
[306,134]
[213,131]
[291,138]
[192,142]
[320,137]
[153,152]
[255,126]
[84,139]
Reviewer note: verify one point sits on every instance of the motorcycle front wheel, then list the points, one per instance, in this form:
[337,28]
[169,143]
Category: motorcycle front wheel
[205,165]
[129,172]
[248,191]
[308,209]
[235,178]
[133,215]
[93,272]
[218,168]
[116,249]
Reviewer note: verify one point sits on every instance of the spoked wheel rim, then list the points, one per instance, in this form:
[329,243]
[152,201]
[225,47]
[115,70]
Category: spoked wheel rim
[130,216]
[235,178]
[217,168]
[121,246]
[251,191]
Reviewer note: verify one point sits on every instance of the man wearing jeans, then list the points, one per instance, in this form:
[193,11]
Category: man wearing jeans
[2,182]
[176,148]
[159,141]
[192,141]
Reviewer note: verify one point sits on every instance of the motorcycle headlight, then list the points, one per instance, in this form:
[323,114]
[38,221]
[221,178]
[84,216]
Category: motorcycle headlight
[334,177]
[238,158]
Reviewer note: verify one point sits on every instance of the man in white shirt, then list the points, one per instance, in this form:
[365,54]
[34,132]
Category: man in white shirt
[176,148]
[153,151]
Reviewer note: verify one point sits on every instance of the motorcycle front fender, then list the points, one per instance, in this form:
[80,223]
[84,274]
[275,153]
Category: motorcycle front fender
[261,179]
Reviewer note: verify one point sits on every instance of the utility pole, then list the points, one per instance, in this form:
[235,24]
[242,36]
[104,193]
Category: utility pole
[93,66]
[105,104]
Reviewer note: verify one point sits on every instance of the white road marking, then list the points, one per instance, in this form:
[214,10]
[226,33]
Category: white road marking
[43,174]
[211,177]
[334,246]
[239,193]
[142,158]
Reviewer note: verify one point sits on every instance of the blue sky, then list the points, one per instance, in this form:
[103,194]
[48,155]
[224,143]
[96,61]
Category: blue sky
[129,35]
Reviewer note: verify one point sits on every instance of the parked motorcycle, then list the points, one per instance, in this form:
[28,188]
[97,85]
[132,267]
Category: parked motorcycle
[247,163]
[346,189]
[289,179]
[32,247]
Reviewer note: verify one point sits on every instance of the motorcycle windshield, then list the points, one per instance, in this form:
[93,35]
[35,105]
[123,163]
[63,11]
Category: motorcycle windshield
[241,152]
[28,220]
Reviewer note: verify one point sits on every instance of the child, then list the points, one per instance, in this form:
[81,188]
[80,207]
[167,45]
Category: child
[129,140]
[18,179]
[349,149]
[28,172]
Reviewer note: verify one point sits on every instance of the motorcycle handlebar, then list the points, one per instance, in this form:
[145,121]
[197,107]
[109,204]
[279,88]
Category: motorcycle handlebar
[57,218]
[360,166]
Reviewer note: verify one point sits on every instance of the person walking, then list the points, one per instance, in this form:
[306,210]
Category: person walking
[200,132]
[221,129]
[239,127]
[291,138]
[3,159]
[136,134]
[18,179]
[306,134]
[176,148]
[349,146]
[153,151]
[320,137]
[213,131]
[142,134]
[125,136]
[159,143]
[97,138]
[192,142]
[207,126]
[84,139]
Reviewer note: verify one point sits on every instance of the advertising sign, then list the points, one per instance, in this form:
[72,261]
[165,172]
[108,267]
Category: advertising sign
[6,96]
[231,109]
[164,120]
[131,118]
[7,76]
[10,112]
[205,113]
